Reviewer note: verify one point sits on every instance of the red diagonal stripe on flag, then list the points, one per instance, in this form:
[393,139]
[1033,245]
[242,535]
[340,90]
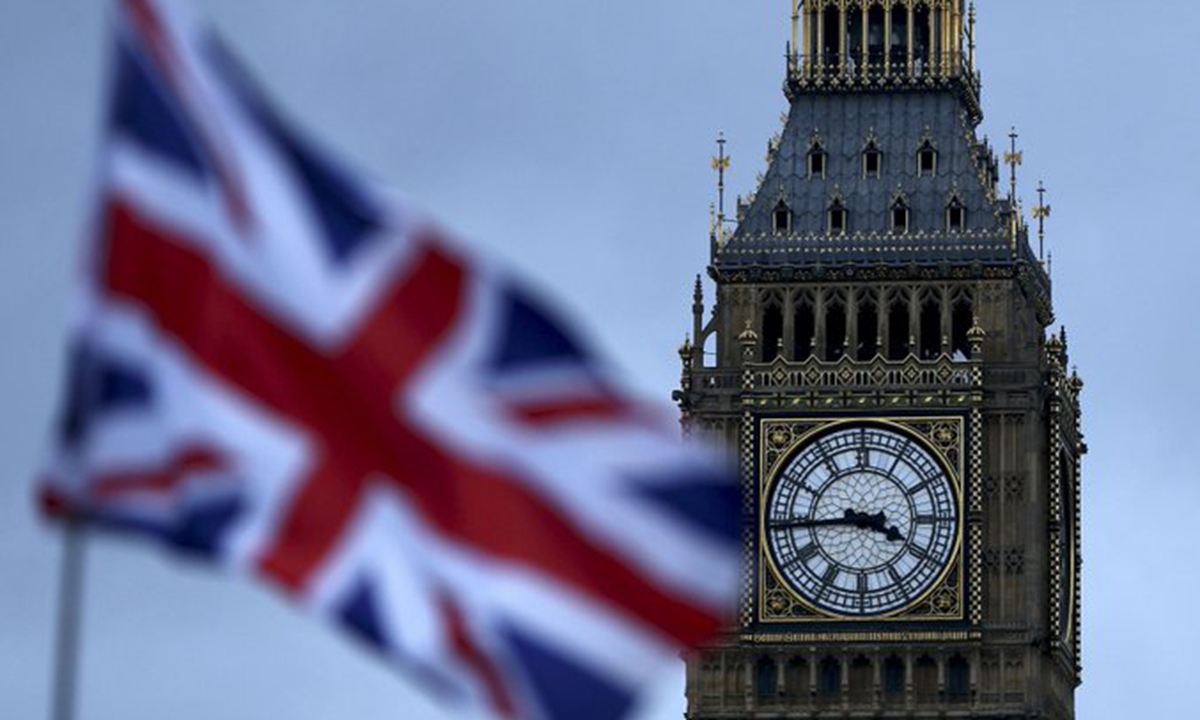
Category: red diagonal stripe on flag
[172,70]
[184,465]
[547,413]
[469,653]
[348,402]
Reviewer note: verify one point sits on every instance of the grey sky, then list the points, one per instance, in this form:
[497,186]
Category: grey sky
[573,139]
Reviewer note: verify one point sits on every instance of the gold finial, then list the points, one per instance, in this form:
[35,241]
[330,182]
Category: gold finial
[748,336]
[1041,212]
[720,163]
[1013,159]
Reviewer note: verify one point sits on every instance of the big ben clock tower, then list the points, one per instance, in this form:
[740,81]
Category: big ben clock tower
[878,356]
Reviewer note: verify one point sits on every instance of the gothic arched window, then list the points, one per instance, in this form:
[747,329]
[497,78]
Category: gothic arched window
[830,678]
[854,37]
[868,330]
[958,678]
[734,679]
[898,42]
[830,55]
[893,677]
[898,329]
[804,329]
[862,679]
[766,679]
[925,679]
[875,37]
[922,51]
[931,328]
[961,320]
[710,679]
[835,330]
[772,331]
[795,678]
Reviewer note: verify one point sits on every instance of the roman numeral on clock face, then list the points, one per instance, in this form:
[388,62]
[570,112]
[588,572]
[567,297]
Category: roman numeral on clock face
[806,553]
[918,488]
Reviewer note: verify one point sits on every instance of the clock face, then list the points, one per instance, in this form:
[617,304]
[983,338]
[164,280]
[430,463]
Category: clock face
[861,521]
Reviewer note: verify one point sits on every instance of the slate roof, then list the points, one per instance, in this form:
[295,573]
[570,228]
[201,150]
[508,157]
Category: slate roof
[898,122]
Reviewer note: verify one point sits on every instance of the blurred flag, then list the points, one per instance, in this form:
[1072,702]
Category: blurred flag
[276,369]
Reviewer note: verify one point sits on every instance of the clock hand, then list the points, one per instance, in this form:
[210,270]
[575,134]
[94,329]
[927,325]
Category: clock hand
[852,518]
[878,523]
[806,523]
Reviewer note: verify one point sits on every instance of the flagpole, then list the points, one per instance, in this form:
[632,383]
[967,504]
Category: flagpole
[66,648]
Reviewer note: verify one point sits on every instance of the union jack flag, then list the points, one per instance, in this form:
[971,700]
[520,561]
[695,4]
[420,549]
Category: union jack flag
[279,369]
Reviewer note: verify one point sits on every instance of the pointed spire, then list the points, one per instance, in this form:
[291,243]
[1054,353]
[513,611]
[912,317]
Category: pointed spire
[720,163]
[1013,159]
[1077,383]
[971,35]
[794,45]
[1056,348]
[1041,212]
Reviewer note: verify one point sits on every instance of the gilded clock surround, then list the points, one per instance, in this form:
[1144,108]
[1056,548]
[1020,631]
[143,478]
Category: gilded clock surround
[944,436]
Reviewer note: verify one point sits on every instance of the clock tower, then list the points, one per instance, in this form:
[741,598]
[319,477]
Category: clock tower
[879,357]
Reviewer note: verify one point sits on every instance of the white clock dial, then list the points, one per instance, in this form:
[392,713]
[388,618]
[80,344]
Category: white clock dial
[862,521]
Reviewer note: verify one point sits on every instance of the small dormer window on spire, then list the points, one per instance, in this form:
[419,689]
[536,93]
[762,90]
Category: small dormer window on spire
[838,218]
[781,218]
[900,216]
[956,215]
[817,161]
[872,161]
[926,159]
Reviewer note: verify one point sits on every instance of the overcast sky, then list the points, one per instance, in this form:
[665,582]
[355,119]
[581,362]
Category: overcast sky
[573,139]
